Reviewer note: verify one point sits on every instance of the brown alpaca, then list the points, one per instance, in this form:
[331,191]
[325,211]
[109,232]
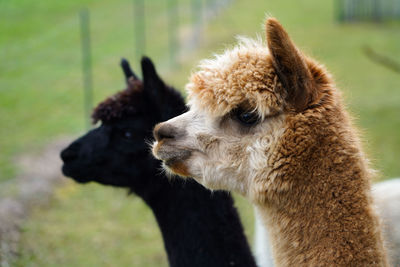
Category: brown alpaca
[272,127]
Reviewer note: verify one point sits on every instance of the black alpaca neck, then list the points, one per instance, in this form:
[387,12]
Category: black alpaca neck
[200,228]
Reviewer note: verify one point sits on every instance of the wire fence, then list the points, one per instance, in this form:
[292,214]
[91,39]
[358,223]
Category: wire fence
[201,11]
[55,69]
[367,10]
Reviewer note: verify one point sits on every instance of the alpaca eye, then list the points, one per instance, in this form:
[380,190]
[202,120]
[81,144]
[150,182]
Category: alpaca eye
[247,118]
[128,134]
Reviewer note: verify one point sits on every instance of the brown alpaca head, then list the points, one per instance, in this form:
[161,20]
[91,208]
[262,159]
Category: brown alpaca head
[238,105]
[268,123]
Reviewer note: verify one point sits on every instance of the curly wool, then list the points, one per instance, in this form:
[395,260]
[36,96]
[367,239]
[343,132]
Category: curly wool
[243,73]
[119,105]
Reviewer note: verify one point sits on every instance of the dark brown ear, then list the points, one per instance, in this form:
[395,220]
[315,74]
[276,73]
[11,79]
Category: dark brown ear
[290,66]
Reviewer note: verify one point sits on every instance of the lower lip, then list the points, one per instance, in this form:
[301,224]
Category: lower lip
[178,167]
[170,162]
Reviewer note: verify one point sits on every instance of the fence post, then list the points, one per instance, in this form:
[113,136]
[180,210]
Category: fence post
[339,10]
[86,64]
[139,25]
[197,20]
[173,25]
[209,6]
[376,10]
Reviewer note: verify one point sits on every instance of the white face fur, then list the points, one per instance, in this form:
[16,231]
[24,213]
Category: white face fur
[227,152]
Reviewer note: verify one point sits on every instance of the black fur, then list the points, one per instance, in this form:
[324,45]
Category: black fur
[199,228]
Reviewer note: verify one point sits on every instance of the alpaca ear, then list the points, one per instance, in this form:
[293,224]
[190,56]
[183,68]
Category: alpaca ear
[290,66]
[126,68]
[152,82]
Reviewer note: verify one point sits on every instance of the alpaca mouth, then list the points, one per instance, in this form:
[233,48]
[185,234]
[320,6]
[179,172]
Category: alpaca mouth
[74,173]
[170,154]
[173,157]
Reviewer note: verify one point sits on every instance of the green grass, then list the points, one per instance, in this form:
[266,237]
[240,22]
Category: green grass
[93,225]
[41,97]
[99,232]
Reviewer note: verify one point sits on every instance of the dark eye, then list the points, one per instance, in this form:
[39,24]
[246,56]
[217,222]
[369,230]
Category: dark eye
[246,117]
[128,134]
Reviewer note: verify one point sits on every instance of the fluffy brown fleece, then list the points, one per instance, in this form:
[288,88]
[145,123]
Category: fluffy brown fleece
[119,105]
[241,74]
[302,165]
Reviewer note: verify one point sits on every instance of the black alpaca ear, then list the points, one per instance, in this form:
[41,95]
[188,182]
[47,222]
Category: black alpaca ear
[290,66]
[153,84]
[126,68]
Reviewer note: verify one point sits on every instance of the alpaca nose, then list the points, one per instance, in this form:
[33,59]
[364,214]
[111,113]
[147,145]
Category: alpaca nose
[70,153]
[164,131]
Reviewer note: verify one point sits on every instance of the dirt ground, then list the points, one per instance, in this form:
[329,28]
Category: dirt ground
[40,173]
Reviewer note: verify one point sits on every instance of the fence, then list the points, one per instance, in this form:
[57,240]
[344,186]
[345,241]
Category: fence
[367,10]
[200,11]
[46,62]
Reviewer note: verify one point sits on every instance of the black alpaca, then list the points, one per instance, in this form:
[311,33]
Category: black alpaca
[199,228]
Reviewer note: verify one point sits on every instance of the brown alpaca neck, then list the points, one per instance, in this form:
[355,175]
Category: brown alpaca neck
[323,214]
[326,225]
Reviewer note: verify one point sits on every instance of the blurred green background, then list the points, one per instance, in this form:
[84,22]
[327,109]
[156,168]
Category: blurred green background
[41,99]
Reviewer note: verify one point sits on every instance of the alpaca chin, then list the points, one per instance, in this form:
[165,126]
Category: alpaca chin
[176,167]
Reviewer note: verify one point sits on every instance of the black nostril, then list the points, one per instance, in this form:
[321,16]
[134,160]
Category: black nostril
[164,131]
[70,153]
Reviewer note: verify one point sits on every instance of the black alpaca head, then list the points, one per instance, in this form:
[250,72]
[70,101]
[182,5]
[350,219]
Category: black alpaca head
[116,153]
